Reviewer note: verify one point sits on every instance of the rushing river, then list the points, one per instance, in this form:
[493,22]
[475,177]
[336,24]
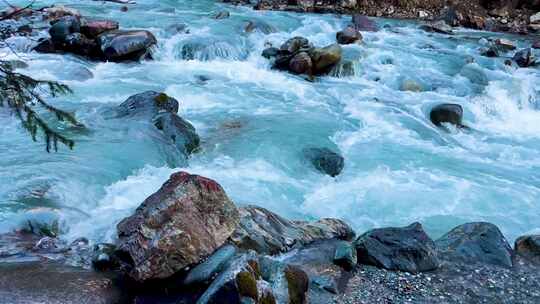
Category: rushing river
[255,121]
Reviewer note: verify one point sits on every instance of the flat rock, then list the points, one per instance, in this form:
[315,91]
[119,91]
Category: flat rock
[268,233]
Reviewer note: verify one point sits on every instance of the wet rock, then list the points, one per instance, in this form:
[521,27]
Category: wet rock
[345,256]
[290,283]
[490,52]
[529,246]
[49,244]
[215,264]
[237,284]
[181,132]
[186,220]
[93,28]
[297,284]
[525,58]
[268,233]
[148,103]
[270,52]
[348,35]
[363,23]
[104,257]
[259,26]
[324,59]
[126,45]
[325,160]
[301,63]
[77,43]
[504,44]
[222,15]
[478,242]
[64,27]
[45,46]
[295,44]
[437,27]
[48,282]
[446,113]
[406,249]
[59,11]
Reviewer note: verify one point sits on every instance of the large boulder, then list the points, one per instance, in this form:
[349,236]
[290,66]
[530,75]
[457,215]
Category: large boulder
[268,233]
[182,134]
[348,35]
[324,59]
[477,242]
[406,249]
[446,113]
[126,45]
[148,103]
[186,220]
[528,246]
[325,160]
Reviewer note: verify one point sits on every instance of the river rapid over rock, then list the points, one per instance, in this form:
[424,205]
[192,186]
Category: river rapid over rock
[255,122]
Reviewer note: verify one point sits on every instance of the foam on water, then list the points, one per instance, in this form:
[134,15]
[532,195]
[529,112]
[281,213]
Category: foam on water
[254,123]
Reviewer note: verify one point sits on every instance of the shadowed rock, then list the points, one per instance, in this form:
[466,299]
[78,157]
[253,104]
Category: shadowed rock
[525,58]
[476,243]
[529,247]
[406,249]
[325,160]
[186,220]
[179,131]
[348,35]
[446,113]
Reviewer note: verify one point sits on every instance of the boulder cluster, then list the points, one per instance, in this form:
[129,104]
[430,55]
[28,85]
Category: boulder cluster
[95,39]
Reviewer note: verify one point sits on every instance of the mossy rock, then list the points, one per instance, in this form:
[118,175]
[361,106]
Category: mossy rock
[267,298]
[256,269]
[161,100]
[298,284]
[247,285]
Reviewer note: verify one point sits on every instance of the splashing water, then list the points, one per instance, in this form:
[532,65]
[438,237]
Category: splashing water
[254,123]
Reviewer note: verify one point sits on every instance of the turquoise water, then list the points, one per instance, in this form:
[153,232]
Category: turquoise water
[254,123]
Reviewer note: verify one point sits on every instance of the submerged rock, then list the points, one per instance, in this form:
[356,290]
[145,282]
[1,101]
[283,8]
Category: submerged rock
[186,220]
[180,131]
[325,160]
[529,246]
[446,113]
[148,103]
[122,45]
[476,243]
[268,233]
[222,15]
[525,58]
[406,249]
[348,35]
[259,26]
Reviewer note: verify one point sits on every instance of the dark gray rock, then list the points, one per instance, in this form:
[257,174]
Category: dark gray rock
[182,134]
[348,35]
[63,27]
[222,15]
[490,52]
[300,63]
[345,256]
[406,249]
[126,45]
[148,103]
[185,221]
[478,242]
[270,52]
[447,113]
[216,263]
[325,160]
[268,233]
[528,246]
[525,58]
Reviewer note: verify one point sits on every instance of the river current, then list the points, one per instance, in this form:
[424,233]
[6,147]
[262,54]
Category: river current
[254,122]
